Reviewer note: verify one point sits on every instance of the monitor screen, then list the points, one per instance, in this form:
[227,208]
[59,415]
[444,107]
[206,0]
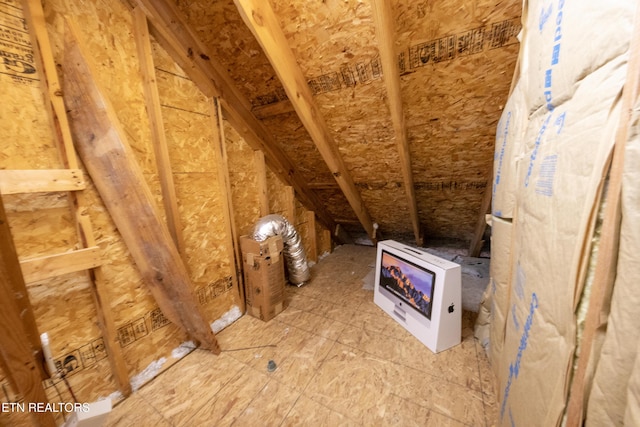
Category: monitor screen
[408,281]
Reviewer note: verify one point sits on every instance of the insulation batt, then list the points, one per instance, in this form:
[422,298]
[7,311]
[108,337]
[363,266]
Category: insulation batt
[294,254]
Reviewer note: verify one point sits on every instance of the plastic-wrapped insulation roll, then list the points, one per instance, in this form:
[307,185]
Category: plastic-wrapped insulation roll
[294,254]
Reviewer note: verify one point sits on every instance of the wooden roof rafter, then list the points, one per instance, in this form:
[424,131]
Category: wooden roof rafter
[169,28]
[385,32]
[261,20]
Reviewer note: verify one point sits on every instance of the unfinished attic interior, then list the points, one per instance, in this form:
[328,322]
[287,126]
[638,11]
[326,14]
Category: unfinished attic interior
[319,212]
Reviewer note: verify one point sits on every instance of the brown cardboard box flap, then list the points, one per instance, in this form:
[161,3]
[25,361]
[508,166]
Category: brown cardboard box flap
[272,247]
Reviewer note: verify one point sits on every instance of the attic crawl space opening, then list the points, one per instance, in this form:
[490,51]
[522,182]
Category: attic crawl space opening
[144,138]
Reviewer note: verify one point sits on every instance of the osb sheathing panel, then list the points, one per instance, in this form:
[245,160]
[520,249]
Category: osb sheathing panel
[219,26]
[107,33]
[325,245]
[106,29]
[144,333]
[43,224]
[337,204]
[23,104]
[21,120]
[390,206]
[306,231]
[279,203]
[453,209]
[278,195]
[298,145]
[243,179]
[189,131]
[456,60]
[334,43]
[301,225]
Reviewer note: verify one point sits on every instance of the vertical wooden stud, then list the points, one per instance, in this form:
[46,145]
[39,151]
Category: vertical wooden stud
[313,236]
[261,171]
[290,204]
[52,91]
[16,351]
[235,257]
[159,140]
[481,224]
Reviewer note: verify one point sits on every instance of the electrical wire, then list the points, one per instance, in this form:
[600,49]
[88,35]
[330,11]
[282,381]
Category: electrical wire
[64,418]
[64,378]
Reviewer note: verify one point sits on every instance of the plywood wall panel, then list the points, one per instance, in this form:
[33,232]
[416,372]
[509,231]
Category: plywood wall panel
[336,204]
[144,334]
[451,212]
[244,181]
[107,33]
[65,310]
[278,199]
[42,223]
[22,123]
[303,229]
[457,61]
[325,245]
[390,205]
[220,27]
[200,196]
[25,127]
[298,145]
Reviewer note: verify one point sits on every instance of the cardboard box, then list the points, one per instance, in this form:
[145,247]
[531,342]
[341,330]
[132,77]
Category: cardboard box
[264,283]
[434,282]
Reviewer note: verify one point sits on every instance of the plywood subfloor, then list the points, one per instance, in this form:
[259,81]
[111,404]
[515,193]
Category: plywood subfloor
[340,361]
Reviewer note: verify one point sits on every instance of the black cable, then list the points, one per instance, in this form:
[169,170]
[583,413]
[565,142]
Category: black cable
[73,396]
[64,418]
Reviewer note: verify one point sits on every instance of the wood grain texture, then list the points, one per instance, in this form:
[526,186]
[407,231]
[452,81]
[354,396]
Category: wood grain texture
[52,91]
[233,238]
[46,267]
[105,152]
[169,28]
[262,21]
[481,225]
[16,350]
[385,33]
[40,181]
[159,140]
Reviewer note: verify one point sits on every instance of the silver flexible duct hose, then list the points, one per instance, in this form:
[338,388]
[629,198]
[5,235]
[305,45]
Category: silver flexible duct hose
[294,254]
